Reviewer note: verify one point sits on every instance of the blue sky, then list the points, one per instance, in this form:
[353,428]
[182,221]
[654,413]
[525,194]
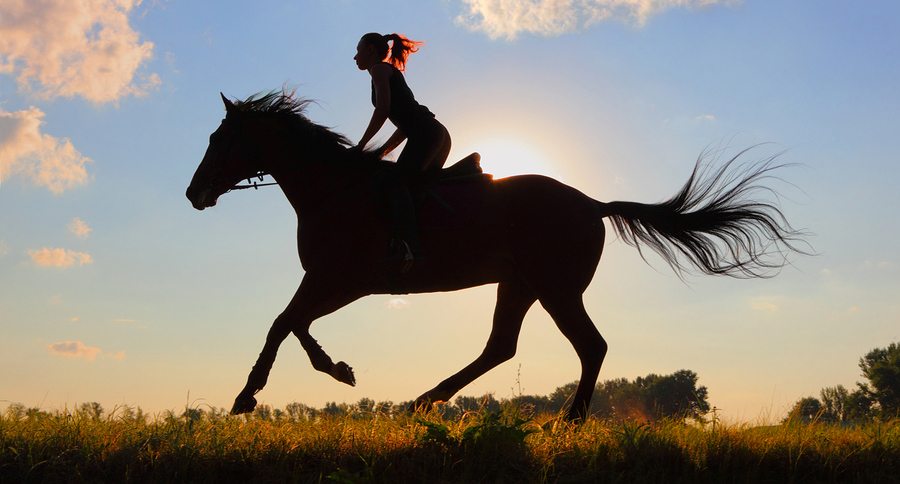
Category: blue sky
[113,289]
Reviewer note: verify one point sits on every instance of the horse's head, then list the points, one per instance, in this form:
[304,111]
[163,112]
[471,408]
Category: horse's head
[232,156]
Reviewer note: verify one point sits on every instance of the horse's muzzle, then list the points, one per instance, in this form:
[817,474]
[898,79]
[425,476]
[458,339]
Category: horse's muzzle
[200,199]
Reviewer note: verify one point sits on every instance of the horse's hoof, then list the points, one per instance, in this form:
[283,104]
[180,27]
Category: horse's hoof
[243,405]
[343,373]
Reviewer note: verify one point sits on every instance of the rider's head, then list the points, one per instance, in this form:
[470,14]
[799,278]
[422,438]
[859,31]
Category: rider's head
[373,48]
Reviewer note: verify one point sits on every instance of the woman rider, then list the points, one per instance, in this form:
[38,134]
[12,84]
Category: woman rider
[427,140]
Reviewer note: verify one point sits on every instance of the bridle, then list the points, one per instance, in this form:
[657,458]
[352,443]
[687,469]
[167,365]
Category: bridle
[254,184]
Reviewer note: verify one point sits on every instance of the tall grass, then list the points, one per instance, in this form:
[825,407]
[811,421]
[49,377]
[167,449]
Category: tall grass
[425,447]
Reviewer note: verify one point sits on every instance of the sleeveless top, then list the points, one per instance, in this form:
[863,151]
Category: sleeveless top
[405,112]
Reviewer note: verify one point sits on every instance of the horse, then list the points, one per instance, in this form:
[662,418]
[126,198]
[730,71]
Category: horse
[538,239]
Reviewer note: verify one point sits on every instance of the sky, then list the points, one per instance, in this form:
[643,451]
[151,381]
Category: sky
[113,289]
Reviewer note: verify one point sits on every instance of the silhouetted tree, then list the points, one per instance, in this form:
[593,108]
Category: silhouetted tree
[562,397]
[365,406]
[384,406]
[806,410]
[192,414]
[621,399]
[674,396]
[881,367]
[858,407]
[92,410]
[297,411]
[472,404]
[262,412]
[335,409]
[15,411]
[834,403]
[532,404]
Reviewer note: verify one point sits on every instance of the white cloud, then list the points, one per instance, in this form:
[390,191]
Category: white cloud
[508,18]
[79,228]
[47,257]
[74,349]
[396,303]
[706,117]
[49,162]
[66,48]
[4,249]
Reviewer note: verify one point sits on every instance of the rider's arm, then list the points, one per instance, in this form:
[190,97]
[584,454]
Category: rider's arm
[381,79]
[392,143]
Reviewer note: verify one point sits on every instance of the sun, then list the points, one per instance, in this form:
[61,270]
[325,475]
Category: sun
[504,157]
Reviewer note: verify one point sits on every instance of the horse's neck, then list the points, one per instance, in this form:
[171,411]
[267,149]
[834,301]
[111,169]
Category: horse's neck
[308,186]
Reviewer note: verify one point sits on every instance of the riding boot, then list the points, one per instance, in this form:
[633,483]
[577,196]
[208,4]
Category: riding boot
[405,244]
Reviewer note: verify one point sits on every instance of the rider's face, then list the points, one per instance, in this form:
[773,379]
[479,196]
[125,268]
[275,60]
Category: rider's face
[365,55]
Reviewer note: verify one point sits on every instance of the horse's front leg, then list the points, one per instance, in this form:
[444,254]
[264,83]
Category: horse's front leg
[314,298]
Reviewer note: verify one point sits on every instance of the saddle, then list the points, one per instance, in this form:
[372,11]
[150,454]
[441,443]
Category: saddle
[468,167]
[457,196]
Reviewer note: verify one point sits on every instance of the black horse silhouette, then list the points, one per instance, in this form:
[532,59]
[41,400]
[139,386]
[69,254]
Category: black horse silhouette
[539,239]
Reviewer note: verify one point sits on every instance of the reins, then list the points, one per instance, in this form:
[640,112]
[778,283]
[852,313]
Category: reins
[253,183]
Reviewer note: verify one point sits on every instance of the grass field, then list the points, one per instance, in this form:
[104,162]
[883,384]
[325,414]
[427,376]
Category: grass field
[478,447]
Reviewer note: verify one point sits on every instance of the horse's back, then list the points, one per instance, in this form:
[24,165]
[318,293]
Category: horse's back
[554,232]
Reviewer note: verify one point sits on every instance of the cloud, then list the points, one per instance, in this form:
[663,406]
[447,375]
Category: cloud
[74,349]
[49,162]
[63,258]
[118,355]
[65,48]
[4,249]
[765,305]
[396,303]
[508,18]
[706,117]
[79,228]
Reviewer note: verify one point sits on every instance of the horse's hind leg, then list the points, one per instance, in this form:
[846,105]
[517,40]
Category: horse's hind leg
[513,300]
[313,299]
[567,311]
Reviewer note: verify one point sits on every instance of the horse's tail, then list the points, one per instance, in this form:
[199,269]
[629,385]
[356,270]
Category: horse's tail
[714,222]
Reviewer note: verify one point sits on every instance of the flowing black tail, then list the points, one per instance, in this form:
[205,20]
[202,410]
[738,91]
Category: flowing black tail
[714,222]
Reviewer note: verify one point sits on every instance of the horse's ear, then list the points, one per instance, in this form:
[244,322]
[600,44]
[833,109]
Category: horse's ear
[229,106]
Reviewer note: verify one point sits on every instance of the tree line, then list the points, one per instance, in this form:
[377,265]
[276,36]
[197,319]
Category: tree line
[876,398]
[648,398]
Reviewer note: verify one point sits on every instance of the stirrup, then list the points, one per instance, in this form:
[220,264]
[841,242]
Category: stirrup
[404,254]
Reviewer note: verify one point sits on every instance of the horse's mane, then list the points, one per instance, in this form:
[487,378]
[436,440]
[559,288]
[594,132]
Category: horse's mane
[291,109]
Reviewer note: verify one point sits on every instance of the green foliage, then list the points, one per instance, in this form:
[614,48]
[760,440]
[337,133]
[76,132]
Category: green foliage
[881,367]
[878,398]
[806,410]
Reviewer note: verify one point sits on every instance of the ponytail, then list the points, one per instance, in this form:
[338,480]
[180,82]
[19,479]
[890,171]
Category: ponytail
[397,52]
[401,47]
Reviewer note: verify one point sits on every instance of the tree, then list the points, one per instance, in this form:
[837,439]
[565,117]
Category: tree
[562,396]
[262,412]
[651,397]
[834,403]
[858,407]
[675,396]
[881,367]
[93,410]
[806,410]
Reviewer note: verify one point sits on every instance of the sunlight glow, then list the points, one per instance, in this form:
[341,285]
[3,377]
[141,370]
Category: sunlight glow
[504,157]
